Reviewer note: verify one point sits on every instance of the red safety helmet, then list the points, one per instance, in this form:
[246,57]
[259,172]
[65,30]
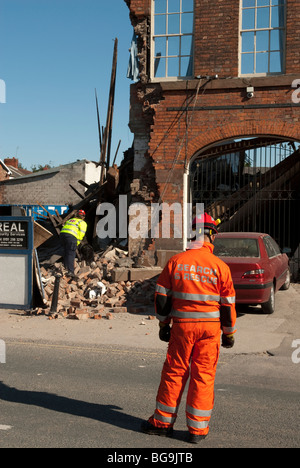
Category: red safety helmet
[81,213]
[209,224]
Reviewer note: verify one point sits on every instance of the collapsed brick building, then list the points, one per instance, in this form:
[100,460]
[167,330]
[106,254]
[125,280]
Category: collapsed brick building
[215,114]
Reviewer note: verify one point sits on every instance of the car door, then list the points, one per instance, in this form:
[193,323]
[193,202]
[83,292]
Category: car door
[275,268]
[282,264]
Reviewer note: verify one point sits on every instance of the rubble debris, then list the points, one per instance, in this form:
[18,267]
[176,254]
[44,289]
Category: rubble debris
[93,293]
[105,283]
[118,182]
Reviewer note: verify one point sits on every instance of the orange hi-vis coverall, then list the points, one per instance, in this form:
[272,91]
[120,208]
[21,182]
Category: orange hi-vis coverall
[195,292]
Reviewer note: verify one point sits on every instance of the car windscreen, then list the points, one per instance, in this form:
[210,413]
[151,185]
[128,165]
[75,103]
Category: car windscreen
[232,247]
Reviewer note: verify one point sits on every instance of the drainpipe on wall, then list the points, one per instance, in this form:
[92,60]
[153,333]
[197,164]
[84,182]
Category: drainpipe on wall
[185,206]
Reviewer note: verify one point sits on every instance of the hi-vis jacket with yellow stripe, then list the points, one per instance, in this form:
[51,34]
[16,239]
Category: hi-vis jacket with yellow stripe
[76,227]
[196,286]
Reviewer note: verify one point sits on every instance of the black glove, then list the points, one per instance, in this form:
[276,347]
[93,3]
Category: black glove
[228,341]
[164,332]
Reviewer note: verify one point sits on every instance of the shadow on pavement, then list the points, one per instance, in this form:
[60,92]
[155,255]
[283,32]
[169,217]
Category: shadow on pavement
[105,413]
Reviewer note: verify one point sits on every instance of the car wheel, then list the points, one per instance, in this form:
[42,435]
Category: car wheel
[287,282]
[269,307]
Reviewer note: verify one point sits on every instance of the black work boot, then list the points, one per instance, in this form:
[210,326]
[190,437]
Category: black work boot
[72,275]
[195,438]
[148,428]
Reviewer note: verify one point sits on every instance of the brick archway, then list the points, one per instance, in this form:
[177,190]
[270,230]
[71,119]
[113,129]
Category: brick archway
[241,194]
[248,129]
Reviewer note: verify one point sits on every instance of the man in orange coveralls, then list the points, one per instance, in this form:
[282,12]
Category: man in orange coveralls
[195,292]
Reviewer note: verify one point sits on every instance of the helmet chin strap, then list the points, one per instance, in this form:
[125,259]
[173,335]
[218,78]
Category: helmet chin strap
[210,240]
[209,234]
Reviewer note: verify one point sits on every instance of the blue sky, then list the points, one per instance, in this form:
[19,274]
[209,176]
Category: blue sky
[53,54]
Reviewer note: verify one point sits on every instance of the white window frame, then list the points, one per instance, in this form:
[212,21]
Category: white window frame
[152,48]
[284,28]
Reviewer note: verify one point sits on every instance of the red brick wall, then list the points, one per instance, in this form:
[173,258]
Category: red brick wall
[3,173]
[3,176]
[170,146]
[217,35]
[293,37]
[211,126]
[139,8]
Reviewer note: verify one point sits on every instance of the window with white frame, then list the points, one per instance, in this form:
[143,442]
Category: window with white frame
[172,39]
[263,32]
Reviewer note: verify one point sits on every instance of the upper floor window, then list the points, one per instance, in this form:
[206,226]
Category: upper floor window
[263,32]
[172,39]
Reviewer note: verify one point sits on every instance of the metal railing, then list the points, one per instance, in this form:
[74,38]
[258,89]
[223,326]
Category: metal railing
[254,190]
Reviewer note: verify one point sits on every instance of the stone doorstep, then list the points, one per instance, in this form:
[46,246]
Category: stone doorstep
[134,274]
[141,274]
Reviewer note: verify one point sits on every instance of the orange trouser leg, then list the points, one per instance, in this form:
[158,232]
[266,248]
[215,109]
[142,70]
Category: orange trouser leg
[200,398]
[185,349]
[174,376]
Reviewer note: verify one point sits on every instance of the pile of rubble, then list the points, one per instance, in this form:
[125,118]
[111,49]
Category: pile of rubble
[95,293]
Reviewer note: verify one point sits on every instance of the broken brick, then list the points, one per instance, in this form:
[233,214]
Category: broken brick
[82,315]
[120,310]
[76,303]
[97,316]
[121,294]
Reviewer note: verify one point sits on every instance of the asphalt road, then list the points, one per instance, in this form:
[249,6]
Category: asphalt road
[54,396]
[90,385]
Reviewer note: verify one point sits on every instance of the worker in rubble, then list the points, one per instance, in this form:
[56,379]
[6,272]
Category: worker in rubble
[71,235]
[195,304]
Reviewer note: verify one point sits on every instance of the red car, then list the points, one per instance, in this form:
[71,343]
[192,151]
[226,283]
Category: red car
[258,267]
